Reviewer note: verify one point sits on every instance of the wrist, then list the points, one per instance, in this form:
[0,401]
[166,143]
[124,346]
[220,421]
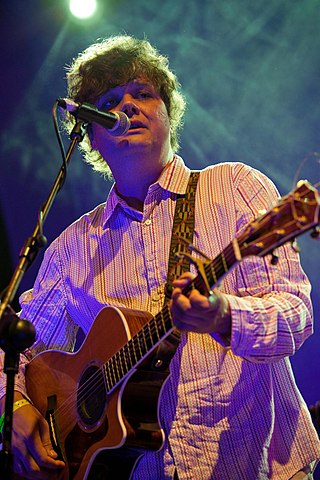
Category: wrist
[225,317]
[17,396]
[16,405]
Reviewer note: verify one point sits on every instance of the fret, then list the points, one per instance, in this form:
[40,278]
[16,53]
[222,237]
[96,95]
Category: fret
[145,346]
[224,263]
[128,357]
[115,369]
[236,250]
[221,265]
[119,364]
[159,326]
[213,278]
[112,375]
[137,347]
[148,337]
[163,323]
[124,356]
[133,350]
[232,254]
[107,378]
[139,344]
[156,327]
[166,319]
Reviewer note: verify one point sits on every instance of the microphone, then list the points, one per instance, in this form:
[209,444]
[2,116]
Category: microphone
[117,123]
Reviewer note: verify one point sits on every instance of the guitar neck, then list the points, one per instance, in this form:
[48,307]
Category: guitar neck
[293,215]
[160,326]
[214,271]
[137,348]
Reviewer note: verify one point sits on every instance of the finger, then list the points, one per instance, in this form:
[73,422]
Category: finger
[47,445]
[193,305]
[201,303]
[46,441]
[41,449]
[185,279]
[180,310]
[180,304]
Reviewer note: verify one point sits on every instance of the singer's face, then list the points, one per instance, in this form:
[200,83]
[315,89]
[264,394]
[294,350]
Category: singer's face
[149,132]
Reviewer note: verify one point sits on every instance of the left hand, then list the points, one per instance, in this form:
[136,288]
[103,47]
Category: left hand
[198,313]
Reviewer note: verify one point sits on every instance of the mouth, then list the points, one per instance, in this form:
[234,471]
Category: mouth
[134,125]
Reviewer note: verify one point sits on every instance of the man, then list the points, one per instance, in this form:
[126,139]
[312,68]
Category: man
[230,409]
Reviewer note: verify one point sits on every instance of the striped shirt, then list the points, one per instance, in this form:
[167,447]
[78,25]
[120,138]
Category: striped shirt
[230,410]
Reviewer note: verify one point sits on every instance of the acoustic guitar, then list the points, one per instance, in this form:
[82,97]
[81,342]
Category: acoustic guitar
[103,399]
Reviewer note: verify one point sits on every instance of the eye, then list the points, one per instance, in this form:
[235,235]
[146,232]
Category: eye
[143,94]
[109,103]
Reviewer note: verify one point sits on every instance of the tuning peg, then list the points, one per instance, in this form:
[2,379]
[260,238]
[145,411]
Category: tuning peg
[315,233]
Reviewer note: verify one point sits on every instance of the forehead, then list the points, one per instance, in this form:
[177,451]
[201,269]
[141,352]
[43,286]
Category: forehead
[131,86]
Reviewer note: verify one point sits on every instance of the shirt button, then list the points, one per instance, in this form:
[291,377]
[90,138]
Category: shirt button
[147,222]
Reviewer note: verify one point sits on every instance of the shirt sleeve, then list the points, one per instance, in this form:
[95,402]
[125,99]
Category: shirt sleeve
[45,307]
[271,310]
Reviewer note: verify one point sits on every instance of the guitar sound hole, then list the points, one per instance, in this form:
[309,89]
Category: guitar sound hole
[91,397]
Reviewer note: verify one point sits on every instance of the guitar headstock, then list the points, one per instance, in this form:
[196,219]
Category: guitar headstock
[296,213]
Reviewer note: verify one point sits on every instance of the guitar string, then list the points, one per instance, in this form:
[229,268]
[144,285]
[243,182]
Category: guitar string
[89,386]
[87,389]
[91,382]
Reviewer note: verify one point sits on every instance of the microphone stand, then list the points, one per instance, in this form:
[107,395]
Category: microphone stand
[18,334]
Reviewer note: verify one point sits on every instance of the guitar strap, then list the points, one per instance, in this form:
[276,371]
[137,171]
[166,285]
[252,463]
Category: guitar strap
[182,235]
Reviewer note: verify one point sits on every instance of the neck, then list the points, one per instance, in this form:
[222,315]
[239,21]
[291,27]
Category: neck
[133,188]
[133,202]
[134,184]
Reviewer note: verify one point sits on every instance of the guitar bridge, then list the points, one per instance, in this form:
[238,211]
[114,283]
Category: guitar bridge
[51,419]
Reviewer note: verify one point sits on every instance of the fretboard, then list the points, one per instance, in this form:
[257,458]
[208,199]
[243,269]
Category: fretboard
[160,326]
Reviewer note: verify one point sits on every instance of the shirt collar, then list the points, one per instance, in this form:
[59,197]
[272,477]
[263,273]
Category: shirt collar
[174,178]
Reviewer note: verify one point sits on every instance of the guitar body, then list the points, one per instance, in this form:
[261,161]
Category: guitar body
[84,420]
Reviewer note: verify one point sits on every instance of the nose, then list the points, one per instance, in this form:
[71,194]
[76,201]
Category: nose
[129,106]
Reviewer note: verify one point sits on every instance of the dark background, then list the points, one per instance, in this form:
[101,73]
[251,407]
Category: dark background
[250,70]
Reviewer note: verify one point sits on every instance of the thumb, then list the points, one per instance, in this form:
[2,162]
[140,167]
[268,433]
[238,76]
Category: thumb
[45,439]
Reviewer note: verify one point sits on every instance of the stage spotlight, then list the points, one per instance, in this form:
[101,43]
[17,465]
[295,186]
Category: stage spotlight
[82,8]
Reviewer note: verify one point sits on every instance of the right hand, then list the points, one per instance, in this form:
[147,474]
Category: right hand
[33,455]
